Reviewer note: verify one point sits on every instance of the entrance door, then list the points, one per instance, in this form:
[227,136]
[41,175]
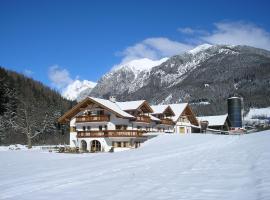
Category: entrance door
[182,130]
[83,145]
[95,146]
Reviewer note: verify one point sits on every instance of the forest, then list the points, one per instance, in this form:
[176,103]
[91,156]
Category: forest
[29,111]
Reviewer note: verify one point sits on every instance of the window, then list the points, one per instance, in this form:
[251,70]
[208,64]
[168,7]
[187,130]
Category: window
[118,144]
[100,112]
[73,129]
[125,144]
[100,128]
[88,127]
[106,127]
[121,127]
[83,128]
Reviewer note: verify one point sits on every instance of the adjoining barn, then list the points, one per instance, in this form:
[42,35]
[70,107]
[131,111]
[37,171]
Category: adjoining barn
[217,122]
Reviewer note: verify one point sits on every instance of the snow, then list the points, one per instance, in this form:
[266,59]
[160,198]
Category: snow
[158,109]
[112,106]
[130,105]
[199,48]
[73,90]
[217,120]
[178,110]
[153,118]
[193,166]
[258,112]
[138,65]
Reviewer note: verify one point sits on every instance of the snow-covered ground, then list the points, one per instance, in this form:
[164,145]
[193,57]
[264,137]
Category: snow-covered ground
[166,167]
[254,113]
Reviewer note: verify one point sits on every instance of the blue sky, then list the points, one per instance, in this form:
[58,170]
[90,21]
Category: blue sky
[85,39]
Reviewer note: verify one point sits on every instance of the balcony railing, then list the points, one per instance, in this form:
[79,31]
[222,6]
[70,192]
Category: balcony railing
[143,118]
[93,118]
[167,121]
[111,133]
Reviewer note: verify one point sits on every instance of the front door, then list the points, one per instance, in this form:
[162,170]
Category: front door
[95,146]
[182,130]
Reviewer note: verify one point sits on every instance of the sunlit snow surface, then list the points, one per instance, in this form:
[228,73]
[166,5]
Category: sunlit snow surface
[167,167]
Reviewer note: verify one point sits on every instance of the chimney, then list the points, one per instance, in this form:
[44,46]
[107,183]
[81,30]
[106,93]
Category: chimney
[112,99]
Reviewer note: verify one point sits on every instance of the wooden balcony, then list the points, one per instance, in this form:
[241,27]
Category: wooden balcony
[167,121]
[111,133]
[93,118]
[143,119]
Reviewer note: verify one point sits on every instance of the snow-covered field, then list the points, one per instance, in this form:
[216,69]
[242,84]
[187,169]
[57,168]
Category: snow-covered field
[166,167]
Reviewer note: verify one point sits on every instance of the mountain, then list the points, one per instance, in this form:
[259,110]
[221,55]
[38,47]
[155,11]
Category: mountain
[78,90]
[205,76]
[125,78]
[28,105]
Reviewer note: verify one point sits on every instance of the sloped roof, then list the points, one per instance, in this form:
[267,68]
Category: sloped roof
[178,110]
[112,106]
[154,118]
[130,105]
[158,109]
[135,105]
[217,120]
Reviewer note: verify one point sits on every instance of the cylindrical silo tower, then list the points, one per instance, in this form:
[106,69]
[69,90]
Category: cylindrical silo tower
[235,111]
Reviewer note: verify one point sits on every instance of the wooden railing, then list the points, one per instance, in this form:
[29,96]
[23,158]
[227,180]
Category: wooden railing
[143,118]
[167,121]
[93,118]
[111,133]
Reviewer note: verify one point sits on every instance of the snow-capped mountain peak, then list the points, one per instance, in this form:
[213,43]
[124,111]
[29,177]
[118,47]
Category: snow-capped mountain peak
[142,64]
[76,88]
[200,48]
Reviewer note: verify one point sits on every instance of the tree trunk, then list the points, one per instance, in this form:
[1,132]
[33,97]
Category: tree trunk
[29,142]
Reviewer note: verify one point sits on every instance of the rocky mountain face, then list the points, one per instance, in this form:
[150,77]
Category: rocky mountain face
[127,78]
[205,76]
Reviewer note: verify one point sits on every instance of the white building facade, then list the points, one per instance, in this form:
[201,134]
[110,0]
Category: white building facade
[99,125]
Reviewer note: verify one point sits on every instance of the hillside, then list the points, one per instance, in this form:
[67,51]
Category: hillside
[24,100]
[204,76]
[205,167]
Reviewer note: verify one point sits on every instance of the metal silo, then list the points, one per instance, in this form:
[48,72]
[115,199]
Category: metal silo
[235,111]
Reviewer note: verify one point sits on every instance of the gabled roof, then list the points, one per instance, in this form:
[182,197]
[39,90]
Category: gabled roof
[154,118]
[162,109]
[178,109]
[217,120]
[112,106]
[130,105]
[159,109]
[106,104]
[134,105]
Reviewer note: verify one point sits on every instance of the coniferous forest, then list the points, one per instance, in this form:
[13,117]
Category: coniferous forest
[29,111]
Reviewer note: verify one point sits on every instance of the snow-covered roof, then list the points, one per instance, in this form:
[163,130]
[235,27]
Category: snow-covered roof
[178,110]
[130,105]
[158,109]
[217,120]
[112,106]
[154,118]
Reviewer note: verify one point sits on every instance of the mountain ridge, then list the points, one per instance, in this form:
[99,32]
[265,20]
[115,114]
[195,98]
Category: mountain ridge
[180,79]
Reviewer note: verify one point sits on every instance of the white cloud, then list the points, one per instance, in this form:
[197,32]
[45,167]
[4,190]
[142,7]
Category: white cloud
[154,48]
[69,88]
[239,33]
[230,33]
[59,77]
